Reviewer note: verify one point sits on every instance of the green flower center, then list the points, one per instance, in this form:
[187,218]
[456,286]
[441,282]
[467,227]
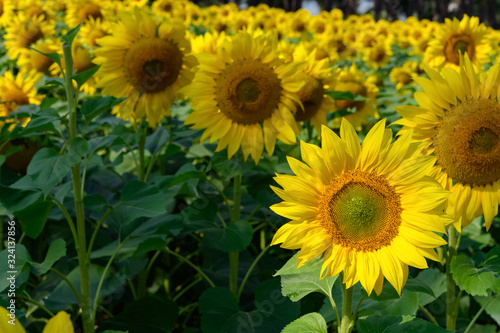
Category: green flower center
[360,210]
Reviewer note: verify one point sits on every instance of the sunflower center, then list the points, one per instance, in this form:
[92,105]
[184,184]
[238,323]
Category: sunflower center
[360,210]
[311,96]
[31,36]
[90,10]
[355,88]
[456,45]
[153,64]
[467,142]
[248,91]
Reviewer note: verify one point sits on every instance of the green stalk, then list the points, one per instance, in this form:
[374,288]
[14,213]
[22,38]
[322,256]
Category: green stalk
[347,322]
[88,325]
[471,324]
[234,256]
[451,316]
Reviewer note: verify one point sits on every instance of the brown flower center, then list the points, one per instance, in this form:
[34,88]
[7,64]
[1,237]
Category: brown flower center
[311,96]
[248,91]
[456,45]
[153,64]
[467,142]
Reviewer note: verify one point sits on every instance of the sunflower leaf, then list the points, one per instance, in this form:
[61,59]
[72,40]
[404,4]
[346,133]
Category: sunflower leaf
[70,35]
[311,322]
[235,237]
[296,283]
[477,279]
[83,77]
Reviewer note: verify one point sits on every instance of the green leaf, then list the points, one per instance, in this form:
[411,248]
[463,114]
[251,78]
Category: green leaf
[310,323]
[216,306]
[436,280]
[100,142]
[156,141]
[44,120]
[48,168]
[55,57]
[392,324]
[33,217]
[346,96]
[477,280]
[91,108]
[56,251]
[95,202]
[150,244]
[407,304]
[388,291]
[83,77]
[151,314]
[70,35]
[493,309]
[55,81]
[299,282]
[235,237]
[15,200]
[473,237]
[138,199]
[220,312]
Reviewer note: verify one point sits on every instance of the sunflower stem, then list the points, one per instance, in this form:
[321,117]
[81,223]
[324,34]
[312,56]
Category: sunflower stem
[451,315]
[347,322]
[473,321]
[81,244]
[234,256]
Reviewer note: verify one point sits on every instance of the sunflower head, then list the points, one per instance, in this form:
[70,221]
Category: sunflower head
[244,95]
[459,37]
[459,119]
[370,209]
[146,59]
[356,82]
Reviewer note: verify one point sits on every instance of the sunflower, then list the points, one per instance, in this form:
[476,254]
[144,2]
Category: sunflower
[459,119]
[207,43]
[405,74]
[79,11]
[370,210]
[94,29]
[16,91]
[316,104]
[244,96]
[22,34]
[34,8]
[146,60]
[457,37]
[378,54]
[356,82]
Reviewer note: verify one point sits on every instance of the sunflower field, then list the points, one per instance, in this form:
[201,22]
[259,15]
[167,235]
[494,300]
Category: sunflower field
[169,167]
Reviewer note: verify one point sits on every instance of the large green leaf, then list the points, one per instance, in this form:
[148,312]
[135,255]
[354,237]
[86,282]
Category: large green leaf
[33,217]
[299,282]
[48,167]
[477,279]
[436,280]
[44,120]
[235,237]
[137,199]
[56,251]
[216,306]
[309,323]
[412,285]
